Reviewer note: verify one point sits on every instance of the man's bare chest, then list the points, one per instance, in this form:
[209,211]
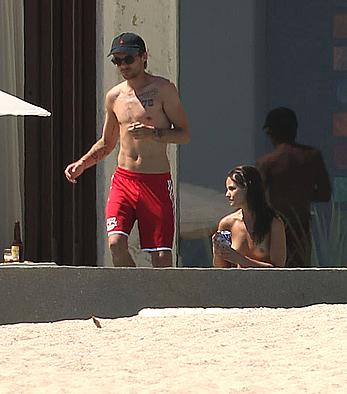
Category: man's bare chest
[137,107]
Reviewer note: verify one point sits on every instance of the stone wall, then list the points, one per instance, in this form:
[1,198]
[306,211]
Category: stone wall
[43,294]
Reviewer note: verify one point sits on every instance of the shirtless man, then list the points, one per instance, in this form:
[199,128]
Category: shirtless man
[257,232]
[144,114]
[294,176]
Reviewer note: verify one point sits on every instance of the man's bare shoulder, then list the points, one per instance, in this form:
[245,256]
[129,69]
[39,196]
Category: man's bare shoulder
[114,92]
[270,157]
[160,80]
[162,83]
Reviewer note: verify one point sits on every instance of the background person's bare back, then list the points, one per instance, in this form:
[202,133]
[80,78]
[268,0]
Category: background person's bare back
[295,176]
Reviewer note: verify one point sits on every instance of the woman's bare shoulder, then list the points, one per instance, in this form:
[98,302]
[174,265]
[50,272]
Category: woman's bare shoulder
[277,223]
[228,221]
[278,220]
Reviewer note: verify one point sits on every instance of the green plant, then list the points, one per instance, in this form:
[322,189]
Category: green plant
[299,240]
[329,241]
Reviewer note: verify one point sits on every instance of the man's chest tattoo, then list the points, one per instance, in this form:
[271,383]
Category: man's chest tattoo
[147,103]
[147,98]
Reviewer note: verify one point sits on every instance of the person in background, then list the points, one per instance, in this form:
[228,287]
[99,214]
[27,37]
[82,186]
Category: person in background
[257,231]
[143,114]
[294,176]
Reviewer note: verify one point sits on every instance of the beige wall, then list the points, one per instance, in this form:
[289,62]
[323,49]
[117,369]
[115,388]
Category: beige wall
[156,22]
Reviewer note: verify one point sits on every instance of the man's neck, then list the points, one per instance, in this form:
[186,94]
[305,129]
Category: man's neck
[138,82]
[279,145]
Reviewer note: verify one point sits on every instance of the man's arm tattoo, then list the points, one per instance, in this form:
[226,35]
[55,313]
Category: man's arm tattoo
[99,154]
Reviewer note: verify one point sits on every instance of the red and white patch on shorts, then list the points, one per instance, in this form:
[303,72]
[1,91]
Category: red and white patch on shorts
[111,223]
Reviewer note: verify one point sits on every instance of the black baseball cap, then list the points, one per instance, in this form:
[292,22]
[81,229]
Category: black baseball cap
[129,43]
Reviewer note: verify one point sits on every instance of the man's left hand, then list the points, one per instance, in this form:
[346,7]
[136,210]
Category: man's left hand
[141,131]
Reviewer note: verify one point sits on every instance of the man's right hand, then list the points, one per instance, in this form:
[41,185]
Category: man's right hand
[74,170]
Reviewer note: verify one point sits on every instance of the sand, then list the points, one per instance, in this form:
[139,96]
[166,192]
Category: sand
[256,350]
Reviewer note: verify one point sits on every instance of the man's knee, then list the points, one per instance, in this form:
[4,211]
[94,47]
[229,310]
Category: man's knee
[118,244]
[121,257]
[162,258]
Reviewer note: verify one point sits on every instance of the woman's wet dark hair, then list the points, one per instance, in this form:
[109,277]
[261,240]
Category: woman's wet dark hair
[249,178]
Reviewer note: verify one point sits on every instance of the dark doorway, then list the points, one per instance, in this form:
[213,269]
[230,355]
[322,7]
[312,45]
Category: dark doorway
[60,218]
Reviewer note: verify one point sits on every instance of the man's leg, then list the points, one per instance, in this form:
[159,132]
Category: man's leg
[118,244]
[155,216]
[161,259]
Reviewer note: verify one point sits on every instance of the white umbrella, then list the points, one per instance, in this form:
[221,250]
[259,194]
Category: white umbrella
[201,208]
[11,105]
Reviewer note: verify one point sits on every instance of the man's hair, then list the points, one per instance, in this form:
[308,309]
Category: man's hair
[281,124]
[145,64]
[249,178]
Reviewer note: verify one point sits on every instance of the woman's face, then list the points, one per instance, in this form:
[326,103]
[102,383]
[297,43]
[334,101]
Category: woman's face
[235,194]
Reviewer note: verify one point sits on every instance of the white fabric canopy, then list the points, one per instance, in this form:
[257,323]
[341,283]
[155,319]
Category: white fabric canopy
[11,105]
[201,209]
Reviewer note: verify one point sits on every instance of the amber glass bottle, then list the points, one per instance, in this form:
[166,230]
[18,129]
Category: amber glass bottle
[17,247]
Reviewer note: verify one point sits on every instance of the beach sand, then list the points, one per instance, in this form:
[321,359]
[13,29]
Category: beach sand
[253,350]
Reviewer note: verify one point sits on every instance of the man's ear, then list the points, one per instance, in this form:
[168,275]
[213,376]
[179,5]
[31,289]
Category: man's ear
[145,58]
